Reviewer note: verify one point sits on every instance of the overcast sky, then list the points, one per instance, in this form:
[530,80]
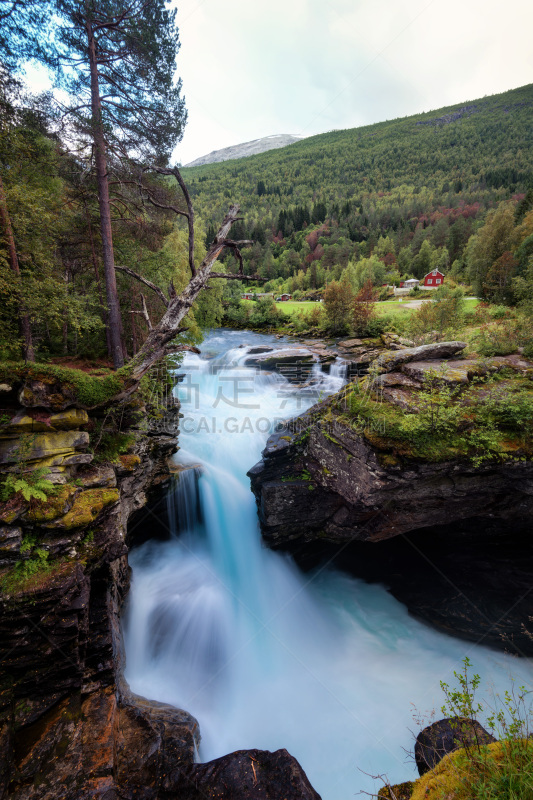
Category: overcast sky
[252,69]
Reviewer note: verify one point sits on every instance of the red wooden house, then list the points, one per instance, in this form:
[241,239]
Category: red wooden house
[434,278]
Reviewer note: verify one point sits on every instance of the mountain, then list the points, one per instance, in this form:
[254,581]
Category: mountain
[382,189]
[246,149]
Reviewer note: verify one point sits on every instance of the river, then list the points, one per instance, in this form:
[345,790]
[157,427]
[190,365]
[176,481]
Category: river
[263,655]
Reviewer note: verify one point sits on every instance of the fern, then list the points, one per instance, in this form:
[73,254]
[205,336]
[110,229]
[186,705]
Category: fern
[34,486]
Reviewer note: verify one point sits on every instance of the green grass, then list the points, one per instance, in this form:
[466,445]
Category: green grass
[292,307]
[393,307]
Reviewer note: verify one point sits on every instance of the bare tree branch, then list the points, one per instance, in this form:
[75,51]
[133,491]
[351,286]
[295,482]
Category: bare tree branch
[146,282]
[190,216]
[145,313]
[236,276]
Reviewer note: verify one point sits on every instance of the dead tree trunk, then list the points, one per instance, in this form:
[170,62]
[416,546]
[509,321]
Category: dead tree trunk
[160,340]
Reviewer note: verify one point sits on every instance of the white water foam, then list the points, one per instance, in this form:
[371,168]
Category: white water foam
[264,656]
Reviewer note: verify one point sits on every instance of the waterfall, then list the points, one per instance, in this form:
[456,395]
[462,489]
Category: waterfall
[264,656]
[184,508]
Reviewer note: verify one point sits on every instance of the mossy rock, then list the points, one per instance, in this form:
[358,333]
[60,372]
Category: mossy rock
[86,508]
[129,462]
[57,388]
[54,445]
[56,505]
[400,791]
[462,775]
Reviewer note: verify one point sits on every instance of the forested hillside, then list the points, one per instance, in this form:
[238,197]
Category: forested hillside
[410,192]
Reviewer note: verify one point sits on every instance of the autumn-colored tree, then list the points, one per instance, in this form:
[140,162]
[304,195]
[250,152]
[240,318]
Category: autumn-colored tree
[364,307]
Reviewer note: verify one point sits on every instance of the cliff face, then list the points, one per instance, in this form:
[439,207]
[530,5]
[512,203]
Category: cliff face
[448,532]
[326,482]
[69,726]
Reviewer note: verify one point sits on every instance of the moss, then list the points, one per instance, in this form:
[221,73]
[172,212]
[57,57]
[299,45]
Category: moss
[53,507]
[483,772]
[129,462]
[400,791]
[388,460]
[89,390]
[31,576]
[111,445]
[87,506]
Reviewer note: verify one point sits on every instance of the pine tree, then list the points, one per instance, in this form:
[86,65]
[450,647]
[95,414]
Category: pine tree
[118,62]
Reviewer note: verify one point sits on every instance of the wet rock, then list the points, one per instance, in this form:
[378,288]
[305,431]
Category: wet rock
[325,356]
[10,541]
[271,360]
[389,361]
[445,736]
[63,720]
[293,363]
[246,775]
[360,362]
[262,348]
[154,743]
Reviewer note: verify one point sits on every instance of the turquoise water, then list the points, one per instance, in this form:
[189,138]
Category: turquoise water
[262,655]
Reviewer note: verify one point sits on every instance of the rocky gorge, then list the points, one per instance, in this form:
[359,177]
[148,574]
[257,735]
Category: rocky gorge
[334,485]
[70,725]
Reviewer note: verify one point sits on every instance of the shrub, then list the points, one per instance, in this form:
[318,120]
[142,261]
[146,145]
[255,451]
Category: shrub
[265,314]
[499,771]
[364,308]
[497,339]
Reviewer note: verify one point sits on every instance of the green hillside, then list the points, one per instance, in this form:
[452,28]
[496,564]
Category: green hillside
[430,177]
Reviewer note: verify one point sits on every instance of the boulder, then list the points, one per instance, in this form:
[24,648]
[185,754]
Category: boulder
[262,348]
[293,363]
[445,736]
[400,397]
[154,742]
[389,361]
[288,355]
[452,372]
[360,491]
[246,775]
[389,379]
[349,344]
[514,362]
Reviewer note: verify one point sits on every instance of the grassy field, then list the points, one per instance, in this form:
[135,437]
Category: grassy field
[291,307]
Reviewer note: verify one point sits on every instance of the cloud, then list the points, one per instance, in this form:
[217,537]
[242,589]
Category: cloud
[305,66]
